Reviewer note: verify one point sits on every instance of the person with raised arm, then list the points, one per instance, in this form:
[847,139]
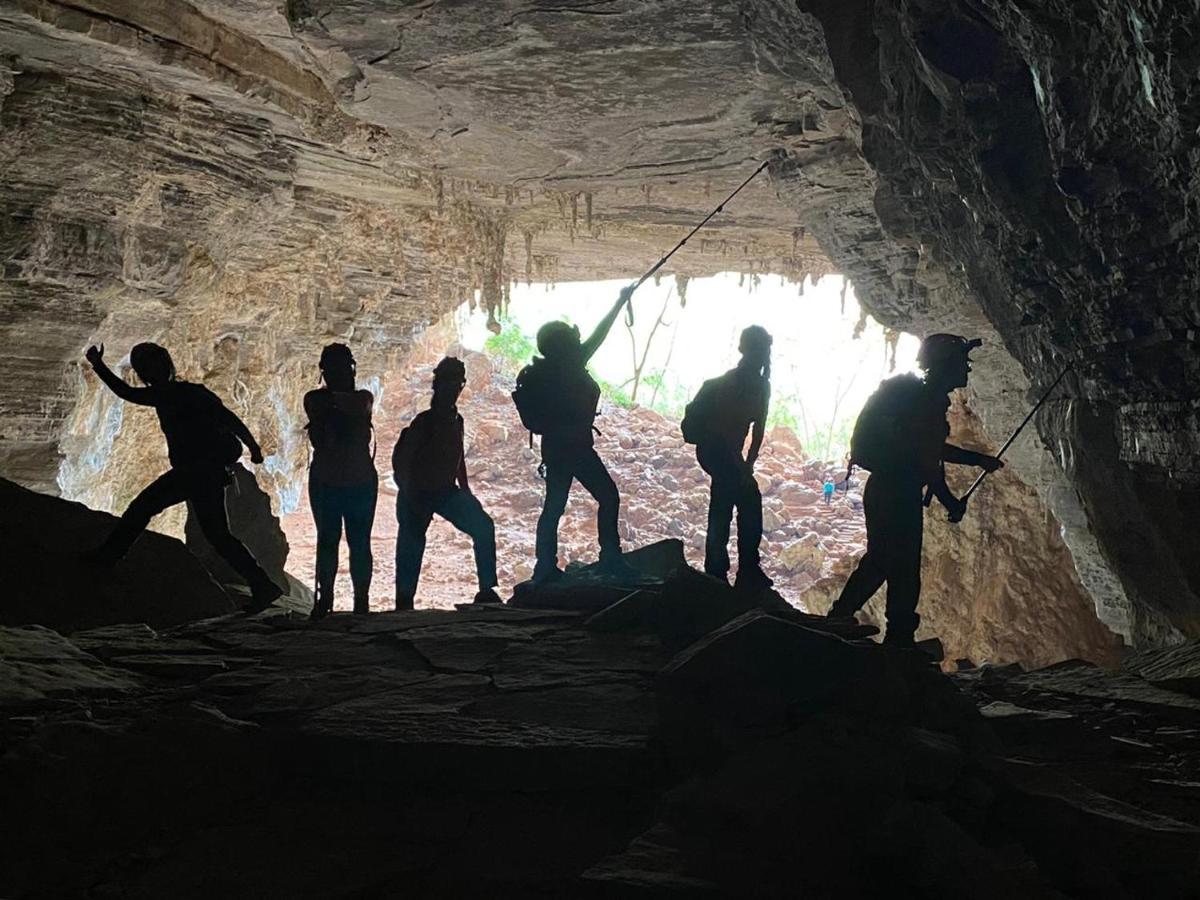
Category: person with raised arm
[558,399]
[204,441]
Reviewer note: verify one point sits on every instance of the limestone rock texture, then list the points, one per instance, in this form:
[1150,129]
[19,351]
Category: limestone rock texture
[245,181]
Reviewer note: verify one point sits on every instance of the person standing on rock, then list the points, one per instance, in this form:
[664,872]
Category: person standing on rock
[204,441]
[430,468]
[558,399]
[343,485]
[900,437]
[717,421]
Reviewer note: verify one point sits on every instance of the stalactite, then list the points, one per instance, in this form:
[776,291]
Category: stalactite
[891,339]
[587,201]
[528,235]
[861,325]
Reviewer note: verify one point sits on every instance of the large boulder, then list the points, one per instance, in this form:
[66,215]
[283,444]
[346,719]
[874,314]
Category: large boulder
[687,606]
[159,582]
[252,522]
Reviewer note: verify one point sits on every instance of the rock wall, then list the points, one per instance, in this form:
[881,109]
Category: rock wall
[1038,160]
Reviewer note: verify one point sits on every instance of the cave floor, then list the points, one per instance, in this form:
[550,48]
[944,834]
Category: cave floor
[441,753]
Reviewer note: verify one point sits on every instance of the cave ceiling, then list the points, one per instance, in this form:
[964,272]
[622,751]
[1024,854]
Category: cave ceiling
[245,180]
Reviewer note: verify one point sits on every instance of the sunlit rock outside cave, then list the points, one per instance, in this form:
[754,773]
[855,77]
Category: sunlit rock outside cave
[245,184]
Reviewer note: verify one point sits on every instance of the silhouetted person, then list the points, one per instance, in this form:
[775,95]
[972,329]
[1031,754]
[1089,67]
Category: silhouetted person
[900,437]
[558,399]
[430,469]
[204,440]
[343,485]
[716,421]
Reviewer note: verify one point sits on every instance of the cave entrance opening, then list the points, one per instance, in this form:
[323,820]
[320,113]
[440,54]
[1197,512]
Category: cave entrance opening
[828,355]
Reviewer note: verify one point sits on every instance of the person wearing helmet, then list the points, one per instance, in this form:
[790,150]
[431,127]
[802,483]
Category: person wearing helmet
[343,486]
[430,468]
[204,440]
[568,451]
[725,409]
[901,437]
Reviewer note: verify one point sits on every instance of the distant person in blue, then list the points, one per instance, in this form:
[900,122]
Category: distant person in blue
[204,441]
[827,491]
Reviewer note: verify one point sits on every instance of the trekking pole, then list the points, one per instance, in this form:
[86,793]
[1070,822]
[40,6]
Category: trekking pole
[1012,437]
[658,265]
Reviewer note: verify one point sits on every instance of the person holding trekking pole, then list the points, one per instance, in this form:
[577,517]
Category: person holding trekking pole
[900,437]
[558,399]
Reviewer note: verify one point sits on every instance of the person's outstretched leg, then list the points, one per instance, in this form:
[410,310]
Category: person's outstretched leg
[208,499]
[162,493]
[558,489]
[720,512]
[871,572]
[413,516]
[327,517]
[593,475]
[464,511]
[360,517]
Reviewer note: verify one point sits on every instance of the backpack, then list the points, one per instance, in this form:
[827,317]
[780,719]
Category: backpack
[414,439]
[700,415]
[549,399]
[879,439]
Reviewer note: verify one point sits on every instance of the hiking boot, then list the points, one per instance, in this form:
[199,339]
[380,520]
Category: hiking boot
[752,578]
[262,595]
[547,575]
[404,602]
[488,595]
[362,604]
[900,640]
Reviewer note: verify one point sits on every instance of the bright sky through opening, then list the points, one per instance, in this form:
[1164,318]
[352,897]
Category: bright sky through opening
[821,373]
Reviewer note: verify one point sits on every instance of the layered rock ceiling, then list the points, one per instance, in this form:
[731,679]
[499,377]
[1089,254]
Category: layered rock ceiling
[246,180]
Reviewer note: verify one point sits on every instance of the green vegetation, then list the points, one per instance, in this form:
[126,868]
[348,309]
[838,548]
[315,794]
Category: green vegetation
[513,348]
